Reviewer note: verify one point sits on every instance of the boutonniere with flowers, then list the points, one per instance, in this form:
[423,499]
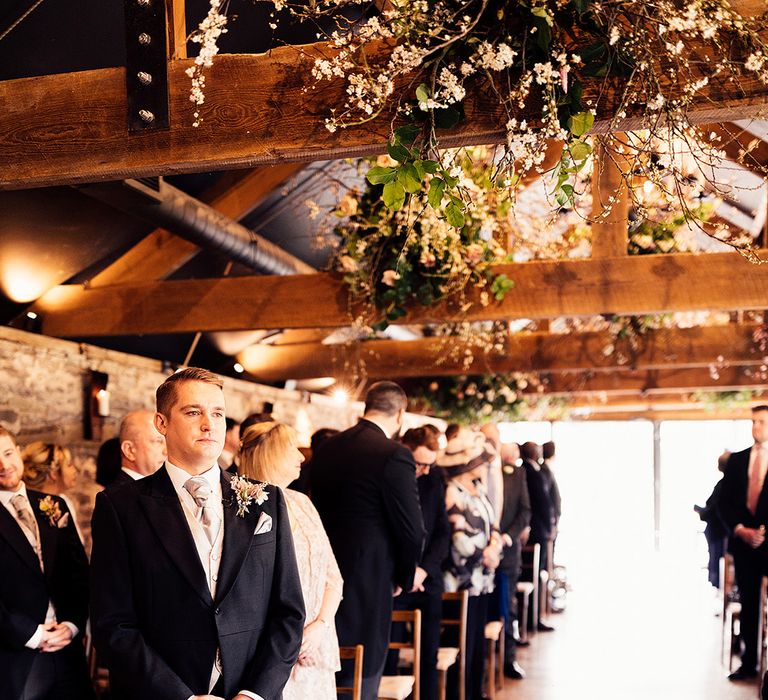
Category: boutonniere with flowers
[247,492]
[51,510]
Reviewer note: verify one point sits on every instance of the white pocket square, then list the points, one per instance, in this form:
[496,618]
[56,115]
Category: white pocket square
[264,524]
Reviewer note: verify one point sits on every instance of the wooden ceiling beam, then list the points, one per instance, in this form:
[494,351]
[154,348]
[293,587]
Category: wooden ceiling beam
[71,128]
[692,347]
[647,382]
[629,285]
[161,253]
[687,414]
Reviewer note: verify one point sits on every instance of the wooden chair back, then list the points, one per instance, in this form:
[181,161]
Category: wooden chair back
[458,620]
[356,653]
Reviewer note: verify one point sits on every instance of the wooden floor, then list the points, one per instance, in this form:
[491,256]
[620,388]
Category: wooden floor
[650,635]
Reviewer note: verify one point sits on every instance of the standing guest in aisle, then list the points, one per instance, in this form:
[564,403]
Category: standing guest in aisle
[547,462]
[196,593]
[426,594]
[744,510]
[364,487]
[542,510]
[43,591]
[108,462]
[715,532]
[494,483]
[514,527]
[270,454]
[475,547]
[142,447]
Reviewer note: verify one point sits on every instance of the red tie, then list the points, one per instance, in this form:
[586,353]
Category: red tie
[756,478]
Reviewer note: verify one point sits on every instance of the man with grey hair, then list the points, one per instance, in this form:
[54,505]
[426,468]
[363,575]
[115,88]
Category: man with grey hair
[364,487]
[142,447]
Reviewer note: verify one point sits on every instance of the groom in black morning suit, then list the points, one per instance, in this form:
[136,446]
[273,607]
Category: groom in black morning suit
[364,487]
[190,599]
[744,510]
[43,591]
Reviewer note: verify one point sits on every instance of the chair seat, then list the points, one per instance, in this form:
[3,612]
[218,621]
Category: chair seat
[395,687]
[493,630]
[446,657]
[525,587]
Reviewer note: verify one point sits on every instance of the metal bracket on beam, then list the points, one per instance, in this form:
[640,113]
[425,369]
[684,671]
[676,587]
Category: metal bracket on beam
[146,70]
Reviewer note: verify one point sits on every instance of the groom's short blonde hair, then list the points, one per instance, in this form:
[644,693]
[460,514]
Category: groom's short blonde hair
[166,394]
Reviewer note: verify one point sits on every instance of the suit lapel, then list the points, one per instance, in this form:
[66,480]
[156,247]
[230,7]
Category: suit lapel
[12,532]
[238,536]
[164,512]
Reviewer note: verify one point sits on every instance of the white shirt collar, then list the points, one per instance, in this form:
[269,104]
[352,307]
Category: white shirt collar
[179,477]
[132,473]
[6,496]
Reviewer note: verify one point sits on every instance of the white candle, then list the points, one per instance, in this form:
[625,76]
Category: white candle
[102,402]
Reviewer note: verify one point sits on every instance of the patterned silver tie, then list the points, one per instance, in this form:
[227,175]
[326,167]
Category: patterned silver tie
[200,490]
[27,520]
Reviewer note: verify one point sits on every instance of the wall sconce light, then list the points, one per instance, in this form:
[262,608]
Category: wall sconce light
[97,406]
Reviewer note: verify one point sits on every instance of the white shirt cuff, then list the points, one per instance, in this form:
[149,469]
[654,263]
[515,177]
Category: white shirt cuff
[72,628]
[251,695]
[34,641]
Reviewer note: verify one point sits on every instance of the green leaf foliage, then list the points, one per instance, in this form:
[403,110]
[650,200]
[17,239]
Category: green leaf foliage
[393,196]
[579,124]
[379,175]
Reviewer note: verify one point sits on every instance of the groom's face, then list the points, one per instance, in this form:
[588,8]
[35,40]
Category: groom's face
[195,429]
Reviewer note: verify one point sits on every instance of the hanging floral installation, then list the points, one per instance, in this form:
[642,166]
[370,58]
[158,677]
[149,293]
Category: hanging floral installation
[551,65]
[486,398]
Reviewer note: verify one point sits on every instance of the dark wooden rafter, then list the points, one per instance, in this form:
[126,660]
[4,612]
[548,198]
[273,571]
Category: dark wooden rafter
[666,348]
[648,382]
[739,145]
[70,128]
[543,289]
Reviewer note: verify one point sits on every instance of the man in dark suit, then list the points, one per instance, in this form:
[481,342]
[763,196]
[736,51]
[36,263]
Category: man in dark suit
[364,487]
[542,509]
[196,592]
[427,592]
[43,591]
[142,447]
[514,528]
[744,510]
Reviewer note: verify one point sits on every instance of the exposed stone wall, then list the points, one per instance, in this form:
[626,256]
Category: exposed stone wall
[42,397]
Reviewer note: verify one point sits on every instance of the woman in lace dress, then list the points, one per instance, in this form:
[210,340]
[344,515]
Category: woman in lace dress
[269,453]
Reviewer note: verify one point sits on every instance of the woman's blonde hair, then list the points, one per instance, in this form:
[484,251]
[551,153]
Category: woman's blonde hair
[263,448]
[41,459]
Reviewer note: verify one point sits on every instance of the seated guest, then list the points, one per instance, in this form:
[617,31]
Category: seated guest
[43,591]
[108,461]
[475,549]
[50,468]
[228,458]
[269,453]
[142,448]
[451,430]
[427,591]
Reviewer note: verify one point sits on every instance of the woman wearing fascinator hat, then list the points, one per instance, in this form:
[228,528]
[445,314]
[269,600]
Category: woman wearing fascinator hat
[475,544]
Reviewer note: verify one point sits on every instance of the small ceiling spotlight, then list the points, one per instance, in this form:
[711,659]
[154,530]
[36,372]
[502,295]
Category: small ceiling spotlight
[340,396]
[238,368]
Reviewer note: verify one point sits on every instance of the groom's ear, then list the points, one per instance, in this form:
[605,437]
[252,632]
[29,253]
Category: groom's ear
[161,424]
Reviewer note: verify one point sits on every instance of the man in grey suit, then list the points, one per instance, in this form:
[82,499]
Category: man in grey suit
[514,528]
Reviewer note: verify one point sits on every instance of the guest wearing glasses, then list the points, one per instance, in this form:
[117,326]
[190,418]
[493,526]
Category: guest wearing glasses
[426,594]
